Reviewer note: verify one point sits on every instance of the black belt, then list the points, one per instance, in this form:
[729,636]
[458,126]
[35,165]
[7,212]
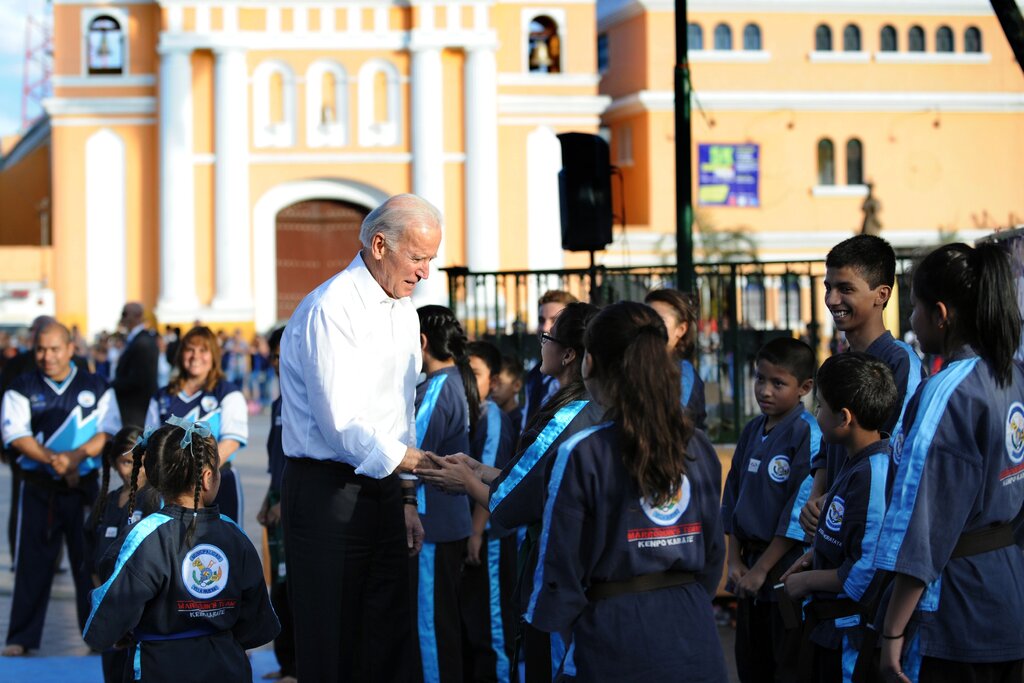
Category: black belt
[970,543]
[44,481]
[603,590]
[983,541]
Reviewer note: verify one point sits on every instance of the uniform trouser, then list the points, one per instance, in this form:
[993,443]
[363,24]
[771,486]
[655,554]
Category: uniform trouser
[284,644]
[348,574]
[944,671]
[46,515]
[765,650]
[114,663]
[435,581]
[12,518]
[229,497]
[488,612]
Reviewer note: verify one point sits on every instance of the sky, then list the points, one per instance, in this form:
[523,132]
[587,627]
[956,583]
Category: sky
[12,49]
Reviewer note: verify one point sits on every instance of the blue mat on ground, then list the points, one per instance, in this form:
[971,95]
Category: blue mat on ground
[87,669]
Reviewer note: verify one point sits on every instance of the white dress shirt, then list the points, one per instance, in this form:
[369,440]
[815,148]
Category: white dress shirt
[350,358]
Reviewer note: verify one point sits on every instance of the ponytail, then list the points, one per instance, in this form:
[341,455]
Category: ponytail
[996,313]
[100,507]
[977,287]
[640,385]
[472,393]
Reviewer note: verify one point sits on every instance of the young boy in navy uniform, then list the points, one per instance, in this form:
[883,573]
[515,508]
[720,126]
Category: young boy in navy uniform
[767,486]
[859,276]
[58,419]
[856,396]
[489,577]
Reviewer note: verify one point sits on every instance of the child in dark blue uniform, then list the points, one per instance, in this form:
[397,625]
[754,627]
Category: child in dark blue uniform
[270,517]
[859,277]
[488,579]
[109,517]
[767,487]
[959,484]
[186,586]
[631,584]
[200,392]
[679,312]
[856,396]
[443,425]
[516,493]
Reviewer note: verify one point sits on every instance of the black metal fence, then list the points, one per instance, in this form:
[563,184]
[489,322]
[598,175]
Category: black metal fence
[742,306]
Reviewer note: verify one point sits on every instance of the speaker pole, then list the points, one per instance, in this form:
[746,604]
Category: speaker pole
[595,291]
[684,169]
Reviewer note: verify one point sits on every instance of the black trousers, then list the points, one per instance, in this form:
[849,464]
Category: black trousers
[348,574]
[944,671]
[435,584]
[12,519]
[46,516]
[284,644]
[766,652]
[488,612]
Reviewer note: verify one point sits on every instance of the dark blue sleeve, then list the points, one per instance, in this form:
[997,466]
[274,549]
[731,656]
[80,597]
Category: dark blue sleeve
[732,481]
[800,479]
[865,508]
[707,475]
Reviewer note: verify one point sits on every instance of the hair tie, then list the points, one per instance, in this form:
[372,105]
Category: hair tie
[142,440]
[198,427]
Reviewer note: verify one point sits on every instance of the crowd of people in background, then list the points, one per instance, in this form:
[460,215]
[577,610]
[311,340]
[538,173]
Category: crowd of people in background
[246,360]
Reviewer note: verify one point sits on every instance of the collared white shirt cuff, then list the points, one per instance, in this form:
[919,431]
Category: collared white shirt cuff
[383,460]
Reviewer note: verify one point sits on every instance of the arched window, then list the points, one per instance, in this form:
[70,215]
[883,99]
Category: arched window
[823,38]
[105,46]
[273,106]
[854,162]
[944,39]
[826,162]
[851,38]
[545,47]
[694,37]
[602,53]
[723,37]
[326,105]
[379,104]
[751,37]
[972,39]
[889,40]
[915,39]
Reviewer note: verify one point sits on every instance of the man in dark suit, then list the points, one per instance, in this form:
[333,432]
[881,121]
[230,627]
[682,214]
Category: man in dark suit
[135,377]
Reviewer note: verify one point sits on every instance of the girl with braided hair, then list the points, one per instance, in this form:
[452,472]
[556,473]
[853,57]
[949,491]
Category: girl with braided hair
[110,516]
[186,590]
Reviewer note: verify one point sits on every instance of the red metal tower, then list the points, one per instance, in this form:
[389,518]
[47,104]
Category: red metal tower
[37,67]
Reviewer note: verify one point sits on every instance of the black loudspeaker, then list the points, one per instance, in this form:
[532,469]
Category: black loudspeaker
[585,190]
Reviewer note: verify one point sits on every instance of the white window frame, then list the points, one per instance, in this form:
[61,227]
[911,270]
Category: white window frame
[373,133]
[558,16]
[121,17]
[265,133]
[318,133]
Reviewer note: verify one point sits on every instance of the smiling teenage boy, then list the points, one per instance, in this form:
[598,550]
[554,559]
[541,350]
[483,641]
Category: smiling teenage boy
[764,492]
[859,277]
[856,396]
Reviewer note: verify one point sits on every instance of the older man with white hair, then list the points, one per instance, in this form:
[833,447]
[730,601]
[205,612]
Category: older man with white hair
[350,359]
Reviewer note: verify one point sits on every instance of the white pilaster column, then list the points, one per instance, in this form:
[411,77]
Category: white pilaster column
[232,250]
[481,96]
[178,301]
[427,111]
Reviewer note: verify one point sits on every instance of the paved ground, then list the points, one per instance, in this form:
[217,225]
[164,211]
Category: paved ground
[62,651]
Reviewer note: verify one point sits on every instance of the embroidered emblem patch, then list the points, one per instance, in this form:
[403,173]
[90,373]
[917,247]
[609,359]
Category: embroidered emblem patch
[670,512]
[204,571]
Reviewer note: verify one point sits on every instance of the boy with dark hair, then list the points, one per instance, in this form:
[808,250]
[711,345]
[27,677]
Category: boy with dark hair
[505,390]
[767,486]
[859,276]
[270,517]
[856,397]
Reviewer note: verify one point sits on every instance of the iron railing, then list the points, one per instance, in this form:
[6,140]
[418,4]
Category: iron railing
[742,306]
